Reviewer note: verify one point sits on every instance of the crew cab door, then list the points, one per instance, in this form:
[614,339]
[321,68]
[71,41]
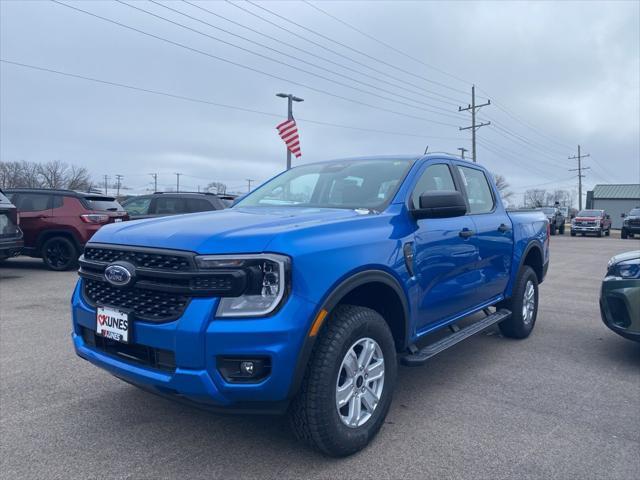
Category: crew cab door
[444,254]
[493,233]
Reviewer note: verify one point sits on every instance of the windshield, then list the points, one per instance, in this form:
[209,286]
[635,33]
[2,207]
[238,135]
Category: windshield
[103,203]
[635,212]
[549,210]
[590,213]
[350,184]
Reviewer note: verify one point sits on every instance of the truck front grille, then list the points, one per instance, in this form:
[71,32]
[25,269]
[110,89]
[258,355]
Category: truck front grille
[148,305]
[139,258]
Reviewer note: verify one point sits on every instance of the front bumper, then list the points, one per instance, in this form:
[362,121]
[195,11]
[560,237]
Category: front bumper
[586,229]
[196,339]
[620,306]
[10,247]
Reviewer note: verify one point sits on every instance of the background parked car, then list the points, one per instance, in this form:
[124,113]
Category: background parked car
[162,204]
[228,199]
[591,221]
[631,223]
[556,219]
[58,223]
[10,233]
[620,295]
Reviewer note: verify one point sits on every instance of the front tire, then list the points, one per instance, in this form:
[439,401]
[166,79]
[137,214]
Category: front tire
[523,305]
[599,233]
[553,229]
[573,234]
[623,234]
[59,254]
[561,229]
[608,233]
[347,389]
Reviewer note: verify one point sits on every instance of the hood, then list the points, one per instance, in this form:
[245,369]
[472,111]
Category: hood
[237,230]
[623,257]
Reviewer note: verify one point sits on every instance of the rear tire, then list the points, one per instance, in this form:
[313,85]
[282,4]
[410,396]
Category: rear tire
[553,229]
[314,414]
[573,234]
[608,232]
[561,229]
[59,254]
[523,305]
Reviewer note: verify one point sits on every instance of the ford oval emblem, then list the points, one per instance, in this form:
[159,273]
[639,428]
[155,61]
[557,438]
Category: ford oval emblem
[118,275]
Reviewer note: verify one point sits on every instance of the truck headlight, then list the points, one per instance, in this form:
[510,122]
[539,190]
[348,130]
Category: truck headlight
[629,269]
[267,282]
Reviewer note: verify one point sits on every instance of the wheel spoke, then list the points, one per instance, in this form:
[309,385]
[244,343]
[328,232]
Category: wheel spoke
[370,399]
[344,393]
[366,354]
[375,371]
[351,363]
[355,408]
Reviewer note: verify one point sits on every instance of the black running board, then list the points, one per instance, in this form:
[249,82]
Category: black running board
[421,356]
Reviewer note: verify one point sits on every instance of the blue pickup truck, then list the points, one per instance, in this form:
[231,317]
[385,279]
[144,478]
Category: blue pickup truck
[305,295]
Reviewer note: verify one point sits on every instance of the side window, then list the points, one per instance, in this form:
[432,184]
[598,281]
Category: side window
[33,202]
[139,206]
[478,190]
[57,201]
[435,177]
[198,205]
[170,205]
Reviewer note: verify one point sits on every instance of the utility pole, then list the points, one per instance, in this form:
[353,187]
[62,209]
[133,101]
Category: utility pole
[177,181]
[580,168]
[462,150]
[155,181]
[249,180]
[118,179]
[106,182]
[474,126]
[291,98]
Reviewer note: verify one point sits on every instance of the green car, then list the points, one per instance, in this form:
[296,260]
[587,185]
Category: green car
[620,295]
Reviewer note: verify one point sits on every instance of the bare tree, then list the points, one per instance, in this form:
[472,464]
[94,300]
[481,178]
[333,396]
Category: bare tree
[535,198]
[503,187]
[54,174]
[216,187]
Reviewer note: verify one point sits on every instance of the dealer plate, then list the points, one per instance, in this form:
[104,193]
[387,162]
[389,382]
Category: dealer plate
[113,323]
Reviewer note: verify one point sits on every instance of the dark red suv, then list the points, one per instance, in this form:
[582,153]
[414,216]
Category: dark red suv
[58,223]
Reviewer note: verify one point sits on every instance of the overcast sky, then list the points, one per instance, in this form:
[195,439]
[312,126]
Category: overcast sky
[558,74]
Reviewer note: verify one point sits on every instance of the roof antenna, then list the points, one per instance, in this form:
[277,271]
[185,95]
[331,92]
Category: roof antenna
[426,149]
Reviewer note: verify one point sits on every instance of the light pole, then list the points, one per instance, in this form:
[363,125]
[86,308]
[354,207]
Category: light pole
[291,98]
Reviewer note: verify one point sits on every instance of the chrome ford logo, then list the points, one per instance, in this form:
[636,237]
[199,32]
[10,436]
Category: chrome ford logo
[118,275]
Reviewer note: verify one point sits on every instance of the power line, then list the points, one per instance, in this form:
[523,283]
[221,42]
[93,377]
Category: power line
[199,32]
[246,67]
[335,52]
[317,56]
[370,57]
[118,182]
[216,104]
[391,47]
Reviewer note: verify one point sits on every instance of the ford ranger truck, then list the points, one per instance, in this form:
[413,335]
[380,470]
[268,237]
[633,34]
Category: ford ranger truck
[305,295]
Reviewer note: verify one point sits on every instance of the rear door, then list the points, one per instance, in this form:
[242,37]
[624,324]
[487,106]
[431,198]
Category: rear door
[35,215]
[493,233]
[445,254]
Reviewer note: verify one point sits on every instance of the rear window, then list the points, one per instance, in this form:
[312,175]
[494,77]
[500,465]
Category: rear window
[103,203]
[549,211]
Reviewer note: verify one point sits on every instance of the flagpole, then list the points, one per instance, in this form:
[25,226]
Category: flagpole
[290,99]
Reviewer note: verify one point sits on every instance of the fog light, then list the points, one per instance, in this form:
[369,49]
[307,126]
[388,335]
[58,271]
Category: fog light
[247,368]
[244,370]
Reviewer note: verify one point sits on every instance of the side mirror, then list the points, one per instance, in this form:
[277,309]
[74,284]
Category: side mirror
[440,204]
[622,215]
[607,216]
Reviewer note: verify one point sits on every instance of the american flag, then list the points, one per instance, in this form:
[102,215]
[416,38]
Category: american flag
[288,131]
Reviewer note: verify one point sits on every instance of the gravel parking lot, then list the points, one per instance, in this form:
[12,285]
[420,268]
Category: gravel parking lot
[564,403]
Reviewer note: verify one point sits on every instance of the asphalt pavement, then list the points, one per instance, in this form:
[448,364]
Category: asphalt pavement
[564,403]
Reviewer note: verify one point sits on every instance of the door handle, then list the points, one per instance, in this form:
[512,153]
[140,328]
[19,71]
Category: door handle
[504,228]
[466,233]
